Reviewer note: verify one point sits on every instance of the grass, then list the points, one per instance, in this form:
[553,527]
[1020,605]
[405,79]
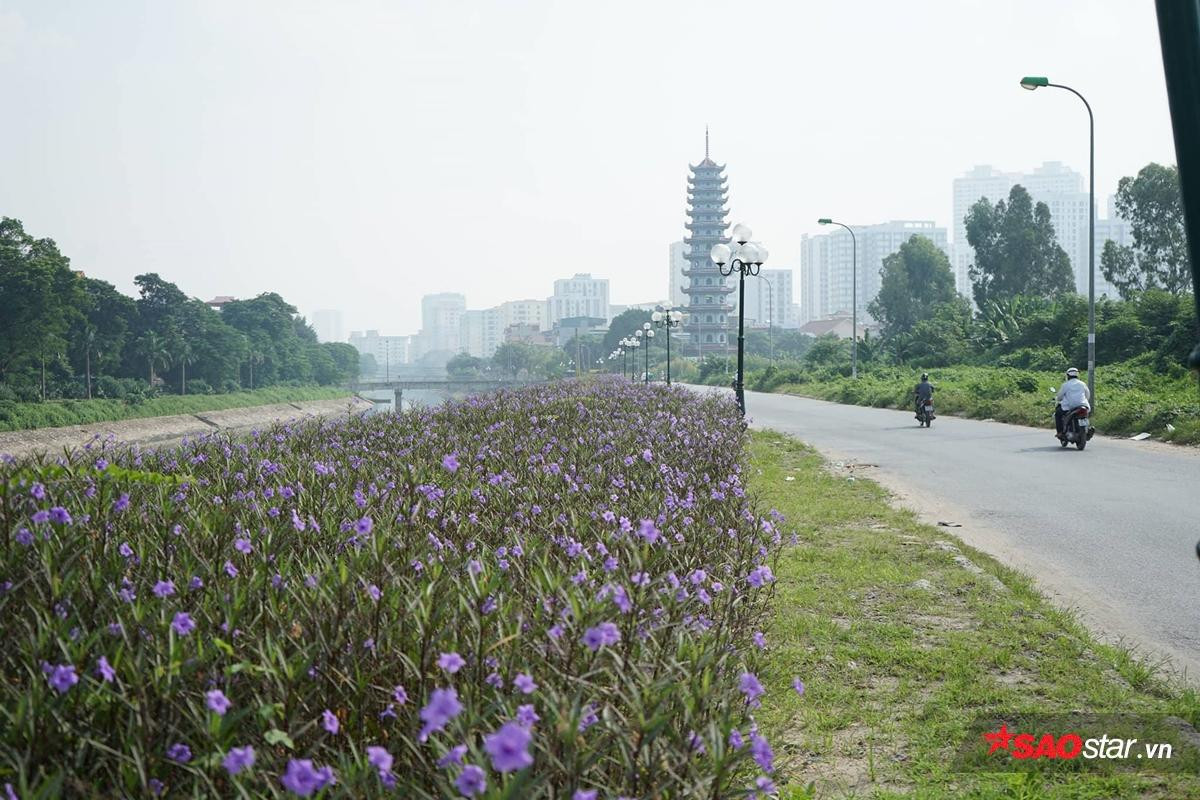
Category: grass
[57,413]
[1131,397]
[897,670]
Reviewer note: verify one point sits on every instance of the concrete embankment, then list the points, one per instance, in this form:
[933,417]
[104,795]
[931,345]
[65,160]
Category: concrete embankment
[175,428]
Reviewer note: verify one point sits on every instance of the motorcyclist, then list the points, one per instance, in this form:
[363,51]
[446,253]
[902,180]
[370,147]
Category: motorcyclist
[1071,395]
[924,392]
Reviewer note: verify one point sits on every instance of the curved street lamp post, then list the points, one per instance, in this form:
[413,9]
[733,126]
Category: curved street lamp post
[854,295]
[649,334]
[668,319]
[746,259]
[1036,82]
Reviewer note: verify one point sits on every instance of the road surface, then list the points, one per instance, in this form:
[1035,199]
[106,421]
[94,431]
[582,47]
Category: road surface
[1110,531]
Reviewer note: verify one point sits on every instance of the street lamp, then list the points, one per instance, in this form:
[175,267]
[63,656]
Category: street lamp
[1036,82]
[746,259]
[854,292]
[668,319]
[649,334]
[634,343]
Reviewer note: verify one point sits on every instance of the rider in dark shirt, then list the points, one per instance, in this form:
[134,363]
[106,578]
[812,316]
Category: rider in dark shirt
[924,392]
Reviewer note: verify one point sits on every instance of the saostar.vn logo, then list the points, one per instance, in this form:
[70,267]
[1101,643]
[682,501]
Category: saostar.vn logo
[1070,746]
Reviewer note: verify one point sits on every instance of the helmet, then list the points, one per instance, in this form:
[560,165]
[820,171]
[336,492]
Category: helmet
[924,376]
[1072,373]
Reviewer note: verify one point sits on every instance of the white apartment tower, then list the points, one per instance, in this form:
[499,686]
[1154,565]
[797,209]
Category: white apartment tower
[827,265]
[578,296]
[441,322]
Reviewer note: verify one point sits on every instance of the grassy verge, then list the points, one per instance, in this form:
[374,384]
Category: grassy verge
[901,645]
[1132,398]
[24,416]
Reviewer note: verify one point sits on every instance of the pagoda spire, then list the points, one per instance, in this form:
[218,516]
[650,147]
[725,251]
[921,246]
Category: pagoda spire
[706,142]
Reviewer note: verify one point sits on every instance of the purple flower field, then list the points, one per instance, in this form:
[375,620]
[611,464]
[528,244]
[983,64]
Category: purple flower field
[554,592]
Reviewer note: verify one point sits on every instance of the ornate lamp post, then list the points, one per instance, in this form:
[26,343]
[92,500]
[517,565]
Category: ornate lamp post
[647,332]
[1032,83]
[668,319]
[634,343]
[746,259]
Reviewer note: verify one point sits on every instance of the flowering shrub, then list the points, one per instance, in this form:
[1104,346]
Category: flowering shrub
[550,592]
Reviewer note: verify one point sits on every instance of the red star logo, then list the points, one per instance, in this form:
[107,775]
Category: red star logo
[998,740]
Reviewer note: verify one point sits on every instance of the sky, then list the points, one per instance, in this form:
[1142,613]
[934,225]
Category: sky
[356,155]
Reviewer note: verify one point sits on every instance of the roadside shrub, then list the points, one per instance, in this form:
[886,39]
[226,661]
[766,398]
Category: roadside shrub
[550,590]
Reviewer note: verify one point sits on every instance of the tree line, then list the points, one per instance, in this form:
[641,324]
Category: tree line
[66,335]
[1026,312]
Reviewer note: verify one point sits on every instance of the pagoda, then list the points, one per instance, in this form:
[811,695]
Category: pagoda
[709,314]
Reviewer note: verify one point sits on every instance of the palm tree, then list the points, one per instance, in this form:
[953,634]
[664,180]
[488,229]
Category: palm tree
[153,348]
[183,354]
[89,341]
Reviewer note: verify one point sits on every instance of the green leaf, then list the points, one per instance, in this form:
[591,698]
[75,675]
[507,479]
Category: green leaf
[276,736]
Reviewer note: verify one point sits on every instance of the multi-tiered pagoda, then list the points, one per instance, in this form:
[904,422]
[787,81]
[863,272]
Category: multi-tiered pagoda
[709,315]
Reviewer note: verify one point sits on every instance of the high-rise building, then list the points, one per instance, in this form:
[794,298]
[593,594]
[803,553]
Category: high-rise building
[769,299]
[708,325]
[579,296]
[1053,183]
[827,265]
[678,263]
[328,325]
[441,322]
[389,352]
[482,331]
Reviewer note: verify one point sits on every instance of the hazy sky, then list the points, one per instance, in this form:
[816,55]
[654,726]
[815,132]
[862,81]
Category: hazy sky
[356,155]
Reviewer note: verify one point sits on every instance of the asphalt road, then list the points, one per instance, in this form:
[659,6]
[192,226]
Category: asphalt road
[1110,531]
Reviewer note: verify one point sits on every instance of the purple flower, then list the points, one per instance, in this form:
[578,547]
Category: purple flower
[379,758]
[760,641]
[798,685]
[751,688]
[471,781]
[762,753]
[450,462]
[164,588]
[525,683]
[179,753]
[230,569]
[238,759]
[526,715]
[606,633]
[589,717]
[587,794]
[765,785]
[735,739]
[451,662]
[60,515]
[156,786]
[183,624]
[648,532]
[509,747]
[121,503]
[453,757]
[555,632]
[104,670]
[329,722]
[443,706]
[474,566]
[125,550]
[24,537]
[62,676]
[37,491]
[217,701]
[302,779]
[243,545]
[760,576]
[40,517]
[374,593]
[363,526]
[400,695]
[195,583]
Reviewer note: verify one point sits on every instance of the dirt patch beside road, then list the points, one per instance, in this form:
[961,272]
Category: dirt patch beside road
[175,428]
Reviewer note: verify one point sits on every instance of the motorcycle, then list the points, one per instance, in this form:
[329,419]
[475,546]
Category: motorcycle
[925,414]
[1077,427]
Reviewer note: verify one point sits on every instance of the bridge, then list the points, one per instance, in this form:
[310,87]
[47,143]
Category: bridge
[445,386]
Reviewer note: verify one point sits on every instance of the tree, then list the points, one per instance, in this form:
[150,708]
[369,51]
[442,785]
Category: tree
[39,298]
[464,365]
[624,325]
[1016,251]
[345,360]
[915,279]
[152,349]
[181,353]
[512,357]
[1158,259]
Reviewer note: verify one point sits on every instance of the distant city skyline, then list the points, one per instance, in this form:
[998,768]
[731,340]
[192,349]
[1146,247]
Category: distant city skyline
[360,155]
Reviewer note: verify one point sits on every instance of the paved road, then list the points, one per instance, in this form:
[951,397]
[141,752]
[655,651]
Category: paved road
[1111,530]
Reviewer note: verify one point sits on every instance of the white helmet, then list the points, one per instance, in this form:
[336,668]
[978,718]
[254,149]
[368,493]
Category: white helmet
[1072,373]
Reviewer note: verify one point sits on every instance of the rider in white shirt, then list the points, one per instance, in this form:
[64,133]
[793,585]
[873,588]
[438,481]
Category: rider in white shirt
[1071,395]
